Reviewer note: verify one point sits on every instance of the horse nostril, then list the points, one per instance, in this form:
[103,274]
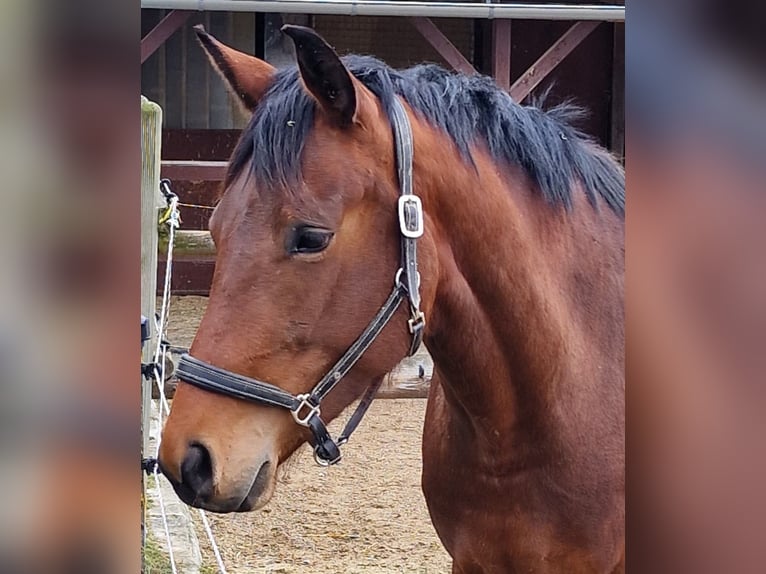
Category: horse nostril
[197,472]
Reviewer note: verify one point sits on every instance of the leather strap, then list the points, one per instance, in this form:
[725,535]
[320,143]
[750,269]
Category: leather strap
[357,349]
[326,451]
[361,410]
[404,151]
[410,221]
[216,379]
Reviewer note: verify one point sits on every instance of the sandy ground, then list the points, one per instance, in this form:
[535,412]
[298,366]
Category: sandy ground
[365,515]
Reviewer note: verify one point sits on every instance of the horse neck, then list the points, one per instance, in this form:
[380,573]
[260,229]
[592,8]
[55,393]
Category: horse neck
[527,318]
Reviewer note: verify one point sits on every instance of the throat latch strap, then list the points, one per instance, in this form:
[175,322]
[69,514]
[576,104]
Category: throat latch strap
[411,223]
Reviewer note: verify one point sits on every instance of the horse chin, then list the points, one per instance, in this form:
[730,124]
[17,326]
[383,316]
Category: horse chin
[261,490]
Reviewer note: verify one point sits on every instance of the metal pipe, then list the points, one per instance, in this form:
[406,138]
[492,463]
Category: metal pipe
[405,8]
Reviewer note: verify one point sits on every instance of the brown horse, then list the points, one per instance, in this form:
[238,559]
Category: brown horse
[521,279]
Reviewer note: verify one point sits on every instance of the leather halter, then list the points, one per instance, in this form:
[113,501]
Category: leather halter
[305,408]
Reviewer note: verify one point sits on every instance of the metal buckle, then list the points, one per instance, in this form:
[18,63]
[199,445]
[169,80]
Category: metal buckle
[417,322]
[322,462]
[304,402]
[411,232]
[398,279]
[417,325]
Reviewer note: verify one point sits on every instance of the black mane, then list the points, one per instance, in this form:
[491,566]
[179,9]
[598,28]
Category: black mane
[467,108]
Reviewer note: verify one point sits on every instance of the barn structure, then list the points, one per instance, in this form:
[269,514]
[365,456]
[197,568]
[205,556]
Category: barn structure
[575,49]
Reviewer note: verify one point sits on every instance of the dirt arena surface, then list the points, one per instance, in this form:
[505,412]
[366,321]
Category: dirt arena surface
[365,515]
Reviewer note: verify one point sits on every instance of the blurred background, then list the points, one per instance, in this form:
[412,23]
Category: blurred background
[695,138]
[70,484]
[696,280]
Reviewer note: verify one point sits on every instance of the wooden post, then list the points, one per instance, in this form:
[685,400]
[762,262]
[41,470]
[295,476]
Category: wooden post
[151,137]
[185,544]
[501,53]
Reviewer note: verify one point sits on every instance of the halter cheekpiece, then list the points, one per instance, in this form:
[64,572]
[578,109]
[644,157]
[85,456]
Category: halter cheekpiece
[305,408]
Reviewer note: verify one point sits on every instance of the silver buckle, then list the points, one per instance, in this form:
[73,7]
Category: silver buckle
[417,322]
[325,463]
[304,402]
[398,279]
[417,230]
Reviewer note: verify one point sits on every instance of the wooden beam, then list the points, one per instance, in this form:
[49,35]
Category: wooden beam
[501,53]
[442,45]
[538,71]
[162,31]
[194,170]
[189,245]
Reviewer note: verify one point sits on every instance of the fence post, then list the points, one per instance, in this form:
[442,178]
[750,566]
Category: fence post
[151,138]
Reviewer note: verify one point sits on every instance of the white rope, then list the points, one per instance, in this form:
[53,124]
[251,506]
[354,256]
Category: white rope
[159,375]
[165,521]
[173,221]
[159,368]
[163,398]
[163,408]
[210,537]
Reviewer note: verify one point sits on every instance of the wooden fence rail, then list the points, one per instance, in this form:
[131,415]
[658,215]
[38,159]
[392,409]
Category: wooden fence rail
[189,245]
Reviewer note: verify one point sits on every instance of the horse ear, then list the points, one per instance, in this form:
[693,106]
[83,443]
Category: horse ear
[247,76]
[324,75]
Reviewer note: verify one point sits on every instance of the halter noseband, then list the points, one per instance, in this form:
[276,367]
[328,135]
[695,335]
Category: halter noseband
[305,408]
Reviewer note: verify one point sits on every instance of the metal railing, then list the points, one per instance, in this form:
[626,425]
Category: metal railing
[406,8]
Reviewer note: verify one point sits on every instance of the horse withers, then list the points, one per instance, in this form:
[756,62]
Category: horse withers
[515,283]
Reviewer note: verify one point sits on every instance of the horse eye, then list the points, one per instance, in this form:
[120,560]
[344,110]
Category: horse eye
[310,240]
